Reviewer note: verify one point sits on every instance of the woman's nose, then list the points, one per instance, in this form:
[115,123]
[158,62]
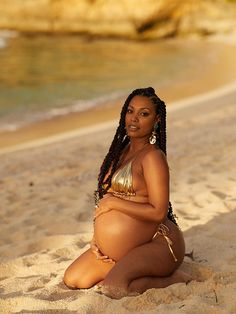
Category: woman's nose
[134,117]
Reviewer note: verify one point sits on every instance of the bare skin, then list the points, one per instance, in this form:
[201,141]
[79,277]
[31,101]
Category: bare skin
[126,259]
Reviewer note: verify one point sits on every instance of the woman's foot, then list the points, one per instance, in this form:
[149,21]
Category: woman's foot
[140,285]
[180,276]
[111,291]
[117,291]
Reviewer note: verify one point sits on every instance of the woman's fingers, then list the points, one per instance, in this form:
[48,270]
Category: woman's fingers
[94,248]
[97,215]
[103,258]
[100,256]
[98,253]
[109,260]
[106,259]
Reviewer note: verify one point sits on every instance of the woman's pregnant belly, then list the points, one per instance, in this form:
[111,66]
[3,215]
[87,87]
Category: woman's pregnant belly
[117,233]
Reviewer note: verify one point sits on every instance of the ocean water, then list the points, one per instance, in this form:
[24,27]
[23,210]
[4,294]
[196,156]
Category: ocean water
[43,76]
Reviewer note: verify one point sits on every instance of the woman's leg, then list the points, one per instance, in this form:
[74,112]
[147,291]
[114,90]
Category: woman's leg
[86,271]
[142,284]
[148,266]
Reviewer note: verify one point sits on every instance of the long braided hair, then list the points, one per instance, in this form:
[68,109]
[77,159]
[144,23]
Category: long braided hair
[120,141]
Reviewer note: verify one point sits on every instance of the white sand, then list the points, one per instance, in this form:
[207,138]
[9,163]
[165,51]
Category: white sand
[47,206]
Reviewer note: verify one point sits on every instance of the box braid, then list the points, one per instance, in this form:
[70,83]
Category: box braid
[121,140]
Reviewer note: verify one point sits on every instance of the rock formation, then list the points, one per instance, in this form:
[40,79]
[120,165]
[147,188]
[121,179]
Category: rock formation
[136,19]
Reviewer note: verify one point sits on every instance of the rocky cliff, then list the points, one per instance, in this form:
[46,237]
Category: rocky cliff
[136,19]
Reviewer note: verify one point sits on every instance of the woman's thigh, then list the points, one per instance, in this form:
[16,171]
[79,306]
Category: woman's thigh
[86,271]
[151,259]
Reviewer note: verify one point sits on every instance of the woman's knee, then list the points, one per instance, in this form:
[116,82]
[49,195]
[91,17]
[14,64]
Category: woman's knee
[75,280]
[69,280]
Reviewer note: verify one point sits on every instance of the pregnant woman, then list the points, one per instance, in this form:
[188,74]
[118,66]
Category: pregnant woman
[137,244]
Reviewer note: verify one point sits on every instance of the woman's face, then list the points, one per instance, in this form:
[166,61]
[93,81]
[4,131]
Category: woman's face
[140,117]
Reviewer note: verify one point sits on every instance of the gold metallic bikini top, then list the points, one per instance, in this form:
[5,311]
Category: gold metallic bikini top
[122,181]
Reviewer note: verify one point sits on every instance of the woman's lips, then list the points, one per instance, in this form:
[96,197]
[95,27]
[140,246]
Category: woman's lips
[133,128]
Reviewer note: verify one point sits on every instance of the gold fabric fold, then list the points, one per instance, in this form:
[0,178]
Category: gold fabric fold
[122,181]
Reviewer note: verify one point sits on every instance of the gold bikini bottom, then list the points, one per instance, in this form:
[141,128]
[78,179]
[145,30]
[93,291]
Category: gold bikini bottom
[164,231]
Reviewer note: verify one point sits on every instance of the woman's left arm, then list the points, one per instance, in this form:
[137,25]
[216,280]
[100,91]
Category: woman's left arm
[156,176]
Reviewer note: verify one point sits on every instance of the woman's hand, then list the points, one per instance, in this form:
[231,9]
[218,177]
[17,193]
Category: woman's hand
[98,253]
[104,205]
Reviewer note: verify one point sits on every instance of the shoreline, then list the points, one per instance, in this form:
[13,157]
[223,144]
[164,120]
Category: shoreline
[112,123]
[219,73]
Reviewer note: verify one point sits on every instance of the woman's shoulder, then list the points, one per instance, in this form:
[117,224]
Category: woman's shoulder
[154,154]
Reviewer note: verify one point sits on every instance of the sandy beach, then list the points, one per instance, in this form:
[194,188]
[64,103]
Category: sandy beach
[48,174]
[47,208]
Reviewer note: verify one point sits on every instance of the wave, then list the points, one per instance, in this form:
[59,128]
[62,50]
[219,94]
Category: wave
[12,123]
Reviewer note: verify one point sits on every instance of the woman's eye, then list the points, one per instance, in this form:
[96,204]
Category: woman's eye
[144,114]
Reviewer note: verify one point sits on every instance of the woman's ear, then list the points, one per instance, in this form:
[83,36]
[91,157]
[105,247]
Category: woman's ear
[158,119]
